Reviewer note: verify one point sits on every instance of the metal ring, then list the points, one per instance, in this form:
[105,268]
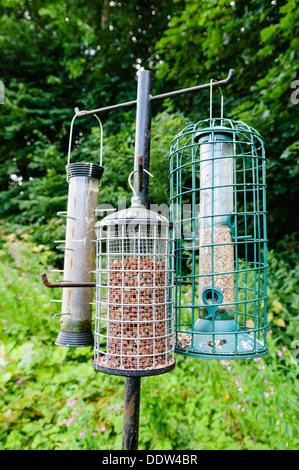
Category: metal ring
[208,291]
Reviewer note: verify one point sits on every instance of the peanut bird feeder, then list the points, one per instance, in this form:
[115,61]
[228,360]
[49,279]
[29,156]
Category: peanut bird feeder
[134,311]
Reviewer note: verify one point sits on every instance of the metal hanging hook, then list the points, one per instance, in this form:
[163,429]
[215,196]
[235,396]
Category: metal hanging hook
[211,100]
[130,176]
[81,113]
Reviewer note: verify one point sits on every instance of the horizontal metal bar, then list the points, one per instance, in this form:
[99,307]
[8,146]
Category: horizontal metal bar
[106,108]
[134,322]
[136,304]
[47,283]
[64,248]
[64,214]
[129,289]
[195,88]
[161,96]
[59,314]
[105,210]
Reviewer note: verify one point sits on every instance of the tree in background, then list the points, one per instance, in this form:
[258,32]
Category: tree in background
[260,41]
[56,55]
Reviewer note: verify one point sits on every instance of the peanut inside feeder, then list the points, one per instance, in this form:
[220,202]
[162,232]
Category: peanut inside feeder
[134,318]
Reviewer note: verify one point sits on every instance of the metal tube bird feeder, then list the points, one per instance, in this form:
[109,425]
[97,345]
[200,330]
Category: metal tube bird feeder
[79,252]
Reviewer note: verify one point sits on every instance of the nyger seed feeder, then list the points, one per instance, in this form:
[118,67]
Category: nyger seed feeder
[79,251]
[218,206]
[134,306]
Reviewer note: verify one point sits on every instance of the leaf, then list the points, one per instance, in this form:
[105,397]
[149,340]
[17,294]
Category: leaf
[268,32]
[280,322]
[270,317]
[75,67]
[5,377]
[27,357]
[277,306]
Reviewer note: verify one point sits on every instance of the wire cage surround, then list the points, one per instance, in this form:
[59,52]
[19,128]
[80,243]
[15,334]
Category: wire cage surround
[218,207]
[134,327]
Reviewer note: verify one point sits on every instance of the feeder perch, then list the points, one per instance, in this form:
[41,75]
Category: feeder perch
[134,306]
[79,252]
[218,206]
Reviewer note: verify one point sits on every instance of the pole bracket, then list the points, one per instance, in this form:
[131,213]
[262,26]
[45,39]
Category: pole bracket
[47,283]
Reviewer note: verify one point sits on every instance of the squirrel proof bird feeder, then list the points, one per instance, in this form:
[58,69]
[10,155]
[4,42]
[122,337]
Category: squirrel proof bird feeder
[218,207]
[134,332]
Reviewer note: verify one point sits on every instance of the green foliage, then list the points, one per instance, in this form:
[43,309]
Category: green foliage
[87,54]
[283,301]
[52,399]
[58,55]
[40,212]
[67,54]
[260,41]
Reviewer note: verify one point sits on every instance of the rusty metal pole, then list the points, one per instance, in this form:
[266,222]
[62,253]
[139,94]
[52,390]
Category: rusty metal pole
[142,161]
[131,413]
[143,134]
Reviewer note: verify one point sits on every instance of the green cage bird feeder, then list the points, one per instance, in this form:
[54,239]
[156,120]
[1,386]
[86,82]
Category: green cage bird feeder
[218,207]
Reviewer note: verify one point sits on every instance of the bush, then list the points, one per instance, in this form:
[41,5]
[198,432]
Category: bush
[51,398]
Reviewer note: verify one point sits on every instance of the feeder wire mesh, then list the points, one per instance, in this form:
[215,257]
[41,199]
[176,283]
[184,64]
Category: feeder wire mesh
[134,305]
[218,207]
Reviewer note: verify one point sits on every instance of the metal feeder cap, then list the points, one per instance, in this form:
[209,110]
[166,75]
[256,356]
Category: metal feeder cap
[220,133]
[136,214]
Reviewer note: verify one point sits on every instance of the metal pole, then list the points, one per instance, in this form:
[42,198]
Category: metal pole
[143,133]
[131,413]
[142,157]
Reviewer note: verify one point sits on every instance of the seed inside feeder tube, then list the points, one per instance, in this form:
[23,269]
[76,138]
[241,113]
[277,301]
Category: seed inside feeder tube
[216,256]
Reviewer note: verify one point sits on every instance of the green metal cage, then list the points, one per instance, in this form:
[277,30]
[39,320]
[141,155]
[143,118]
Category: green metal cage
[218,210]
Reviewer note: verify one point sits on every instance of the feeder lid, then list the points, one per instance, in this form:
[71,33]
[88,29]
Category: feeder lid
[135,214]
[89,170]
[220,133]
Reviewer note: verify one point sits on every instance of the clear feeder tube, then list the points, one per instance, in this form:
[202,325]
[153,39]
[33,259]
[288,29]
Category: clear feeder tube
[79,258]
[216,249]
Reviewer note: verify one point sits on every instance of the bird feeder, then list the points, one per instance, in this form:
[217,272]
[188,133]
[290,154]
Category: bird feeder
[218,206]
[134,305]
[79,252]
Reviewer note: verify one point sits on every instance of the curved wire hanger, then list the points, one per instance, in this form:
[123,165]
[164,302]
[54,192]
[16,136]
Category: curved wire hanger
[130,176]
[78,113]
[211,100]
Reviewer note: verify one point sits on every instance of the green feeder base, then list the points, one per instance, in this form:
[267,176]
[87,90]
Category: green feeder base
[223,339]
